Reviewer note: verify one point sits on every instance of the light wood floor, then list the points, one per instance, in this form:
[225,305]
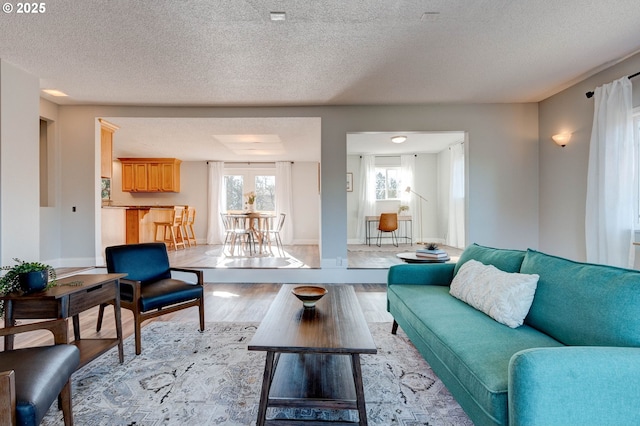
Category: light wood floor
[223,303]
[300,256]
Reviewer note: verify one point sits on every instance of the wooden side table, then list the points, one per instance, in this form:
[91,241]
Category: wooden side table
[71,296]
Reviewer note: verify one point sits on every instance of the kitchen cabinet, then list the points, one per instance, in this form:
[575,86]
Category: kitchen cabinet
[150,174]
[106,147]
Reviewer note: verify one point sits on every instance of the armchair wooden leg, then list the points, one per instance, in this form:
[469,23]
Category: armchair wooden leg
[100,316]
[201,309]
[138,333]
[394,327]
[65,401]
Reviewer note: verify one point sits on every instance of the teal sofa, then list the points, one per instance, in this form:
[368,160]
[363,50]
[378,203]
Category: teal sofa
[574,361]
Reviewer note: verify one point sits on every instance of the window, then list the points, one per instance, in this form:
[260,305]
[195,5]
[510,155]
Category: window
[233,187]
[262,182]
[387,183]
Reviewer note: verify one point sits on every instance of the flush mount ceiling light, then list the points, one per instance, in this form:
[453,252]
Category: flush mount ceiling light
[278,16]
[54,92]
[562,139]
[398,139]
[430,16]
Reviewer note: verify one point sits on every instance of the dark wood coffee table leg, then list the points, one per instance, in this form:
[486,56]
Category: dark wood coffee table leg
[266,386]
[357,379]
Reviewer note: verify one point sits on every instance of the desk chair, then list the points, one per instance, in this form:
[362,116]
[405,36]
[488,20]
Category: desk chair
[149,290]
[32,378]
[388,223]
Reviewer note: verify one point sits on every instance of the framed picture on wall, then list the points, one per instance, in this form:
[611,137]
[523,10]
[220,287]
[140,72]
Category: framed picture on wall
[349,182]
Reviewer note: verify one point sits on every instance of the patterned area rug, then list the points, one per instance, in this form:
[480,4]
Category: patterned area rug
[210,378]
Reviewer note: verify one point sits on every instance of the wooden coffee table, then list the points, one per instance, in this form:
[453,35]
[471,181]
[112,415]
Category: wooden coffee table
[313,355]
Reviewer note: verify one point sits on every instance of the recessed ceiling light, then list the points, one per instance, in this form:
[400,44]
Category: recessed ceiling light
[54,92]
[398,139]
[278,16]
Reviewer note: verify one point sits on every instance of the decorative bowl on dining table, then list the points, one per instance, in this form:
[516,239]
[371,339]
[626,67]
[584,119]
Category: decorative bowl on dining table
[309,294]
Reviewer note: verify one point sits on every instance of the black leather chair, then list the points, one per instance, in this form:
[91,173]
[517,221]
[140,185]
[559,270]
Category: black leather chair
[149,290]
[32,378]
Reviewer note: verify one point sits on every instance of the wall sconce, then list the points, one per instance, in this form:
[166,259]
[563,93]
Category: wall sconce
[398,139]
[562,139]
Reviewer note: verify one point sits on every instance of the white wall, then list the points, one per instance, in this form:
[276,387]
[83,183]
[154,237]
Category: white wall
[502,167]
[563,171]
[502,197]
[193,192]
[427,183]
[50,230]
[19,165]
[306,202]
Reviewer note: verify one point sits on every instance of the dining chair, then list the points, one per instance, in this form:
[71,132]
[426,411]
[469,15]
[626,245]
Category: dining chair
[259,226]
[388,223]
[274,234]
[237,229]
[32,378]
[149,290]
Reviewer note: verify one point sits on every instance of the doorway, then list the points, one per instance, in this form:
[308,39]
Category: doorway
[423,177]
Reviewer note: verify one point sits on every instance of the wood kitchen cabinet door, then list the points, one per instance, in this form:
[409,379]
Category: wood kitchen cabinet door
[134,177]
[150,174]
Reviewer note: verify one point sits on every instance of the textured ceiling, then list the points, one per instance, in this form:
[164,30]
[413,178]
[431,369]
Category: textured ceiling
[330,52]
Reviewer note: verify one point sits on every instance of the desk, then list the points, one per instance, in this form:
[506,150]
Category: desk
[403,223]
[64,301]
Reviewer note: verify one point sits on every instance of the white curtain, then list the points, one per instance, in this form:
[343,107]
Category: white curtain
[366,193]
[455,231]
[407,173]
[611,190]
[284,199]
[217,201]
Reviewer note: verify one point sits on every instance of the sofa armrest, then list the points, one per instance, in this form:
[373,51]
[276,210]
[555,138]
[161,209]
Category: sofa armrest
[421,274]
[574,385]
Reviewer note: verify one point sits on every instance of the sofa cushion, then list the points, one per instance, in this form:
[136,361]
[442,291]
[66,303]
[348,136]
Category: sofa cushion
[584,304]
[503,259]
[467,349]
[504,296]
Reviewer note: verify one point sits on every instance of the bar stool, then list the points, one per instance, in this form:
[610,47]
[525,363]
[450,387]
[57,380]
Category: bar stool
[187,225]
[172,233]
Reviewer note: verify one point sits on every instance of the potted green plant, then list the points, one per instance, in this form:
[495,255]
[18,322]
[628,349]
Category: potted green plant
[27,277]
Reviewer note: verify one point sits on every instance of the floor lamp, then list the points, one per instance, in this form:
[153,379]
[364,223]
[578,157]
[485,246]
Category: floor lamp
[409,190]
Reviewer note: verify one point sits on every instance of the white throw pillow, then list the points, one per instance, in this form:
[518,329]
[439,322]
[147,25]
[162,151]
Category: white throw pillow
[505,297]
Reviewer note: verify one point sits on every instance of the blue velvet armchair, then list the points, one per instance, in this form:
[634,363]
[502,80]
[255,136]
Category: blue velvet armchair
[32,378]
[149,290]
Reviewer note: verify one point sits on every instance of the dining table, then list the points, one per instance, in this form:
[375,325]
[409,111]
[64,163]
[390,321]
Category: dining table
[257,226]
